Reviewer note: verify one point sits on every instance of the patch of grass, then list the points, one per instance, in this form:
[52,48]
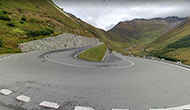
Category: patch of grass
[9,50]
[17,30]
[95,54]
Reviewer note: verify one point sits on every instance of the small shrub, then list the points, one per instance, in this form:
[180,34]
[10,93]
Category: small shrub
[4,16]
[1,43]
[11,24]
[4,12]
[23,20]
[44,32]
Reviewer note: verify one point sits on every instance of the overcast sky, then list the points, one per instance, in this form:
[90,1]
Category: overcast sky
[105,14]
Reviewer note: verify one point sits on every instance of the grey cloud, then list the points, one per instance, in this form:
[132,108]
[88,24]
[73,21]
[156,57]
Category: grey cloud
[107,13]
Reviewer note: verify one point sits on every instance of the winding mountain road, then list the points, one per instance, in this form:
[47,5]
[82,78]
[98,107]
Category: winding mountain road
[135,83]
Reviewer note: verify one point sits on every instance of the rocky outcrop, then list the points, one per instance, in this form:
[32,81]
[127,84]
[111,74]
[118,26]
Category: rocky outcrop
[59,42]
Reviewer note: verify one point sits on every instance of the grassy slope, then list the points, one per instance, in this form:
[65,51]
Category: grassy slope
[136,34]
[35,19]
[174,44]
[139,31]
[95,54]
[172,36]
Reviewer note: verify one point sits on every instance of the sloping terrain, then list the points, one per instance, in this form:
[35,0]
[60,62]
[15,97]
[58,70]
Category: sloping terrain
[143,31]
[174,45]
[27,20]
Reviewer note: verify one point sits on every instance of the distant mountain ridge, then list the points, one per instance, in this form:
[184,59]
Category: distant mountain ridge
[168,19]
[167,38]
[148,30]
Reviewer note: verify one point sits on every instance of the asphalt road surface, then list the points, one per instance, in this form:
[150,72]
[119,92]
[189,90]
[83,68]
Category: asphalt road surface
[128,82]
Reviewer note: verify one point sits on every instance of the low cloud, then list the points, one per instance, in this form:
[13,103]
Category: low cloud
[105,14]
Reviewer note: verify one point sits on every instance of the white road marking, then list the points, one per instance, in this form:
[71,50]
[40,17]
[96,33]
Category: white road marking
[23,98]
[119,109]
[158,109]
[6,92]
[83,108]
[51,105]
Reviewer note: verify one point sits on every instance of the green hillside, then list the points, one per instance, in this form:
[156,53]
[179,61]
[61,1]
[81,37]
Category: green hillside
[174,45]
[139,32]
[167,38]
[26,20]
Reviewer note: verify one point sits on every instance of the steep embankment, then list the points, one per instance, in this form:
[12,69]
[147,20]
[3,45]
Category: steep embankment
[140,32]
[27,20]
[174,45]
